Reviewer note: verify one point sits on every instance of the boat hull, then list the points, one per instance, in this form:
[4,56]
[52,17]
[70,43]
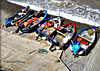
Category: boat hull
[11,22]
[63,36]
[83,40]
[31,28]
[47,27]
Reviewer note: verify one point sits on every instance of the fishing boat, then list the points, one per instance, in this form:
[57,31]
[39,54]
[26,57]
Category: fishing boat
[32,21]
[20,15]
[47,27]
[83,40]
[61,36]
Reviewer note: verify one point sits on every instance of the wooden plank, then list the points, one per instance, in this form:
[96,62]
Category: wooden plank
[59,38]
[21,13]
[88,37]
[61,33]
[84,38]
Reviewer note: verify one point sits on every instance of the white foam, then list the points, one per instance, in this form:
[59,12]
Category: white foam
[65,15]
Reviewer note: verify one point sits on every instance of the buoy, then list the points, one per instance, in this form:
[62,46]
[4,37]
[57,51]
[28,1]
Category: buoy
[39,19]
[36,19]
[35,22]
[2,25]
[79,39]
[16,24]
[19,21]
[30,21]
[22,24]
[48,25]
[23,10]
[44,12]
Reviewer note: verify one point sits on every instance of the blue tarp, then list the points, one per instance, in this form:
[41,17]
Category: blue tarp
[75,48]
[8,21]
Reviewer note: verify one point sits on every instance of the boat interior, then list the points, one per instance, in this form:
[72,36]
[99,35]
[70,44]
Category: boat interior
[62,35]
[34,20]
[84,40]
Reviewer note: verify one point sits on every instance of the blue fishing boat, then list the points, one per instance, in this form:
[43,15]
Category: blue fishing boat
[20,15]
[83,41]
[47,27]
[61,36]
[32,21]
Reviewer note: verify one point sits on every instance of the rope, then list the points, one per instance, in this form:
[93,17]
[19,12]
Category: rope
[63,61]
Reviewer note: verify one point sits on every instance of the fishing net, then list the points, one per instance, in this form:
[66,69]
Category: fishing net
[42,51]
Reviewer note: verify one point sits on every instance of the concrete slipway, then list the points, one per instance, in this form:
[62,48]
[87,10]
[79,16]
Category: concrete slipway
[15,55]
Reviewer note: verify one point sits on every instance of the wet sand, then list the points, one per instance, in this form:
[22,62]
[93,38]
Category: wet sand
[8,9]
